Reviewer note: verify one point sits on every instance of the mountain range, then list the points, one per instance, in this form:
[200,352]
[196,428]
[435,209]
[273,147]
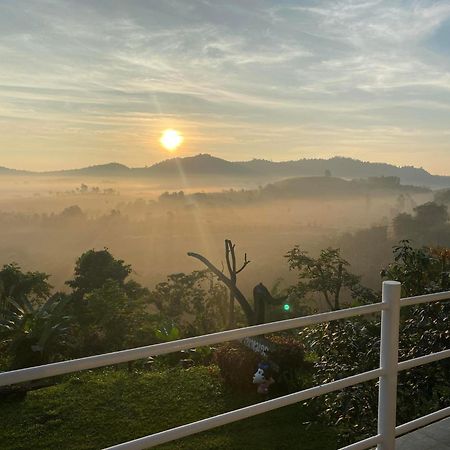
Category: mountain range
[204,166]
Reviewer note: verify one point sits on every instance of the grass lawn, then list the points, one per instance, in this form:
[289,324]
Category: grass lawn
[101,408]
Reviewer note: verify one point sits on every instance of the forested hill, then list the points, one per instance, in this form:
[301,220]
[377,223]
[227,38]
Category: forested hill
[208,166]
[346,168]
[323,188]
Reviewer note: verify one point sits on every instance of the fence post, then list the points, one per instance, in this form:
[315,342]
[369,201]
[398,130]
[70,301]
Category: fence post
[387,393]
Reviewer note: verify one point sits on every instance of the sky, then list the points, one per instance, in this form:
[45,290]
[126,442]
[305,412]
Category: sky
[88,82]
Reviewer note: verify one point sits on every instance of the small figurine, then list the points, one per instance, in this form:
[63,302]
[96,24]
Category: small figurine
[263,378]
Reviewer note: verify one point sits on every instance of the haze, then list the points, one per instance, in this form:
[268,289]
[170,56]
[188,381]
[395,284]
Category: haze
[47,222]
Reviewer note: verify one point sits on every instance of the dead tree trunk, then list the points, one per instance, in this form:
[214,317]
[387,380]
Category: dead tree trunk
[261,298]
[230,282]
[261,295]
[230,257]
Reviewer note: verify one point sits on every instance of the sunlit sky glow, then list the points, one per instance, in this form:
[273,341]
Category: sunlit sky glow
[171,140]
[87,82]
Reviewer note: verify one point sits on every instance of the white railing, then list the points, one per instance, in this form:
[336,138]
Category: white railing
[387,371]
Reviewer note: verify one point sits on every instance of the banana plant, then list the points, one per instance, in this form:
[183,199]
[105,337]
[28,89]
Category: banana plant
[32,333]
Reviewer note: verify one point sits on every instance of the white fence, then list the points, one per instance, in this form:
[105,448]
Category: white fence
[387,371]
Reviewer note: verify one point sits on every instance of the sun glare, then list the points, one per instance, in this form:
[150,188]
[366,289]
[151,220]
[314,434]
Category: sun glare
[171,140]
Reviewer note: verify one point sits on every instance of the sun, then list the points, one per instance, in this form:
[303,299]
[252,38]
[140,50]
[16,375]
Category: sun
[171,139]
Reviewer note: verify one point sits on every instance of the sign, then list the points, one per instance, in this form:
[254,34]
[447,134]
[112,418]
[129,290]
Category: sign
[258,345]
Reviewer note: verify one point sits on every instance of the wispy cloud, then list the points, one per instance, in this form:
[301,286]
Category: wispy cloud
[260,78]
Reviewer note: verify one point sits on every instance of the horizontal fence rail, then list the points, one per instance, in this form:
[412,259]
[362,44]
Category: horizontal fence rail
[422,421]
[108,359]
[244,413]
[428,298]
[432,357]
[364,444]
[387,372]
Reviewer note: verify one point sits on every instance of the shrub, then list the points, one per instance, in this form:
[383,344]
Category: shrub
[348,347]
[238,363]
[289,354]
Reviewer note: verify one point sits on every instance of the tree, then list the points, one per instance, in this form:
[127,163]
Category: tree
[327,274]
[94,268]
[193,301]
[254,315]
[431,214]
[17,285]
[233,271]
[388,182]
[112,318]
[442,196]
[109,312]
[72,212]
[417,269]
[230,284]
[34,334]
[404,225]
[428,224]
[368,249]
[343,348]
[424,327]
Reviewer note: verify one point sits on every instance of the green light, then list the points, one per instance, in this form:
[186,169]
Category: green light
[286,307]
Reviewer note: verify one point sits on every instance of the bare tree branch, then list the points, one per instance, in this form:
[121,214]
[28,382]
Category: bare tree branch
[233,258]
[248,310]
[227,255]
[246,262]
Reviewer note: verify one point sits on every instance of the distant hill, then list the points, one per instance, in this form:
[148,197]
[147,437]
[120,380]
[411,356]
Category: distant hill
[6,171]
[338,166]
[337,187]
[204,166]
[323,188]
[347,168]
[111,169]
[200,165]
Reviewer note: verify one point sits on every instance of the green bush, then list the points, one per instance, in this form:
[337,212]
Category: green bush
[238,363]
[348,347]
[289,354]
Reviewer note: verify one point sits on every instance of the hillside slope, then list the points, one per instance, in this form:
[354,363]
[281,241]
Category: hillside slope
[208,167]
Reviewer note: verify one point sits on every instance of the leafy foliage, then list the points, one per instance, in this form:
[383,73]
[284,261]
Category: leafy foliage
[110,318]
[16,285]
[425,329]
[420,270]
[238,363]
[343,349]
[167,334]
[348,347]
[94,268]
[103,313]
[34,334]
[194,301]
[442,196]
[328,275]
[428,224]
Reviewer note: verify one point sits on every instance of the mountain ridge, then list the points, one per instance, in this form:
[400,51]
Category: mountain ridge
[206,165]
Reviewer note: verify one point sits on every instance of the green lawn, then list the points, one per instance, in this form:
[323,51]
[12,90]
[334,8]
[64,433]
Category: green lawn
[101,408]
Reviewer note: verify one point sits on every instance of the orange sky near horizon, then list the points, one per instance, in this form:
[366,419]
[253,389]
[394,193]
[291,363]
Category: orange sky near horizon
[84,84]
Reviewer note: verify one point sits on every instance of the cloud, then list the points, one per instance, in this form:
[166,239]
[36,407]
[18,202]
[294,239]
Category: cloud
[280,70]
